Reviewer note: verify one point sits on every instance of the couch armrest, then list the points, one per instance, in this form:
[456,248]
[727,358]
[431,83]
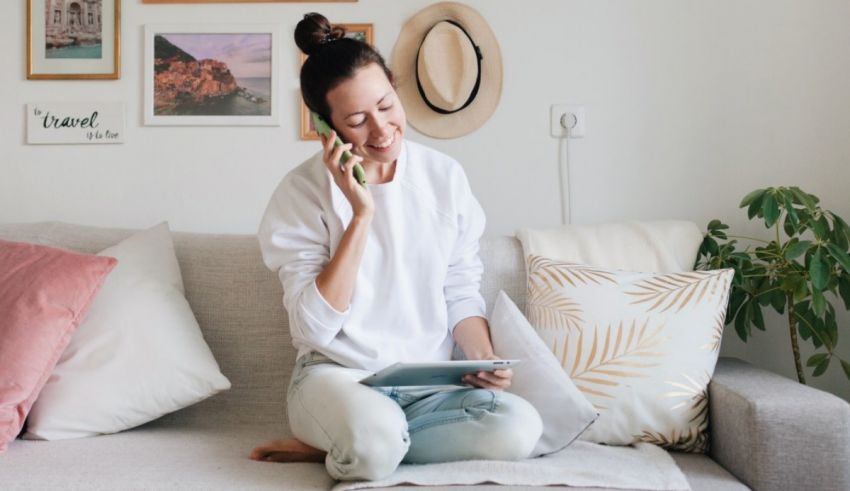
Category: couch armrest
[774,433]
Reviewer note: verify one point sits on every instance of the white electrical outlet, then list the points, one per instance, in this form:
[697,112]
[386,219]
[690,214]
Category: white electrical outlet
[567,120]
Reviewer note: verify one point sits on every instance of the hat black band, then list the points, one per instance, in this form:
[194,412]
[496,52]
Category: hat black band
[472,94]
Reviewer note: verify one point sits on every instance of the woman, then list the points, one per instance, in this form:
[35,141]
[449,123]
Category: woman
[379,274]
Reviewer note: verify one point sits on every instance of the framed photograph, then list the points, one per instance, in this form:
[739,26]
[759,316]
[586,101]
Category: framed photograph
[208,74]
[73,39]
[247,1]
[363,32]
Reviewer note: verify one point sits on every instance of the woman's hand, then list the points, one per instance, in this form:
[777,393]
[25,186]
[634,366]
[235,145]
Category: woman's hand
[359,196]
[495,380]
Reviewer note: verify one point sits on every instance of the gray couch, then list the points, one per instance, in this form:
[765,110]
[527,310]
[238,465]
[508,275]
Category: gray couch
[767,432]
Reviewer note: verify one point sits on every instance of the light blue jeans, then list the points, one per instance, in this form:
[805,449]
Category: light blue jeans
[368,431]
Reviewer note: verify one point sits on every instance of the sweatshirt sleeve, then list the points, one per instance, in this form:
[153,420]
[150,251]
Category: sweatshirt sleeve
[295,242]
[463,281]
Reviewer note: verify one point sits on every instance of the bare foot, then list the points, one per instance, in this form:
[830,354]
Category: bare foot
[288,450]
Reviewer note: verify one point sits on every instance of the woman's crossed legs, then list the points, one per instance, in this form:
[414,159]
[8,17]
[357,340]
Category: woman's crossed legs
[364,433]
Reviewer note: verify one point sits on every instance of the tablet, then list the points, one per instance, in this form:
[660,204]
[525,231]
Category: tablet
[433,373]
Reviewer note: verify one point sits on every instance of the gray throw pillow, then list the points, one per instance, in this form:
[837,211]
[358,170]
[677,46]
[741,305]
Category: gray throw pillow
[539,378]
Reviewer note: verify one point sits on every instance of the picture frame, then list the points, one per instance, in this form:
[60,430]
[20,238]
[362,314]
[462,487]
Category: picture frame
[76,39]
[248,1]
[211,74]
[364,32]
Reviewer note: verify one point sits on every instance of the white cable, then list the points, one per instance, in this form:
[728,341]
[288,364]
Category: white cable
[564,169]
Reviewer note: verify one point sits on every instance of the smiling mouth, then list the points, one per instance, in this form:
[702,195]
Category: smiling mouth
[384,146]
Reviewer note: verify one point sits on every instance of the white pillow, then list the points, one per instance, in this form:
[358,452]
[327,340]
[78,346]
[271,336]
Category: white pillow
[539,378]
[137,355]
[641,346]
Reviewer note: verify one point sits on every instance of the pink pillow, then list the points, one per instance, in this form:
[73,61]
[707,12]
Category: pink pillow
[44,294]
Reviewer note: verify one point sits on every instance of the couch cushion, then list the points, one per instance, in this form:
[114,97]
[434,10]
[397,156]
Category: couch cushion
[156,456]
[45,294]
[239,305]
[137,355]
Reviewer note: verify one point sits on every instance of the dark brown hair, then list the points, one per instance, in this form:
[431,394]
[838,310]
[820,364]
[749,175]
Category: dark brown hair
[332,59]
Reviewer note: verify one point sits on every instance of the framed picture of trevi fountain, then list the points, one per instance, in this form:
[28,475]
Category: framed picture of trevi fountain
[73,39]
[210,74]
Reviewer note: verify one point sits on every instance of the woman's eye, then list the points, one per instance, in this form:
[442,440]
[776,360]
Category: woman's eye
[357,125]
[387,108]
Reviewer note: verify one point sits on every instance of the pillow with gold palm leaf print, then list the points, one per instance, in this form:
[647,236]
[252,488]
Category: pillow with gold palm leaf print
[640,346]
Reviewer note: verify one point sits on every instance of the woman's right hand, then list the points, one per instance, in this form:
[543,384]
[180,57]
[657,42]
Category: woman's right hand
[359,196]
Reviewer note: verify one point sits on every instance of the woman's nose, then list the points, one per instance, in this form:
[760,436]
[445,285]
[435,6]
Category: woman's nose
[379,127]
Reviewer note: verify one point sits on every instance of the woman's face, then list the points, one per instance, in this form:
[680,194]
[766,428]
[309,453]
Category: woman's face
[366,112]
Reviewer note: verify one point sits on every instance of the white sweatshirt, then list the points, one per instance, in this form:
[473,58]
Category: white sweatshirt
[420,274]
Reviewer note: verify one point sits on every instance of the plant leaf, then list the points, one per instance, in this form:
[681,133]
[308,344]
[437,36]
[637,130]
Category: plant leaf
[821,228]
[818,302]
[844,290]
[839,255]
[841,226]
[796,249]
[755,206]
[803,198]
[831,328]
[846,367]
[716,224]
[757,317]
[801,292]
[839,235]
[804,330]
[822,366]
[742,321]
[792,213]
[752,196]
[770,210]
[818,270]
[815,359]
[777,301]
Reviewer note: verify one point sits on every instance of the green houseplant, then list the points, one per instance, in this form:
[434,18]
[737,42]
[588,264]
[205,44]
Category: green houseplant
[795,273]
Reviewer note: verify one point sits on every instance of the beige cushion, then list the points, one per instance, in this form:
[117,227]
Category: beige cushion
[238,304]
[661,246]
[138,353]
[641,346]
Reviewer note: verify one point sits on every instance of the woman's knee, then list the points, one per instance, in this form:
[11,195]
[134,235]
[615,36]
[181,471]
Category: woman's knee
[374,443]
[513,428]
[371,456]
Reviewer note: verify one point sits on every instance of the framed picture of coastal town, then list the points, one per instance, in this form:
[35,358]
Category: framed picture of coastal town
[73,39]
[360,32]
[211,74]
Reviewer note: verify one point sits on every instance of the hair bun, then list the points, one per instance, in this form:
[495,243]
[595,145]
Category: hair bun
[314,31]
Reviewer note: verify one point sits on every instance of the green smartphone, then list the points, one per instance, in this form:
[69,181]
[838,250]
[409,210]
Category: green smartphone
[324,129]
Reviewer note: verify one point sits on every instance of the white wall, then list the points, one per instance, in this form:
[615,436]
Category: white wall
[690,105]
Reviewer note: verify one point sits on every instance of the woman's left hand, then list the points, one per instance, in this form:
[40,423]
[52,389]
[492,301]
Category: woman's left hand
[495,380]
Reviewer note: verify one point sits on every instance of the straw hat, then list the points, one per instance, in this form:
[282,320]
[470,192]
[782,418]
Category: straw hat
[448,70]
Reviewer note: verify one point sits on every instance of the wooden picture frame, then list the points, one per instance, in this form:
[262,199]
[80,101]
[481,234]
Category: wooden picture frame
[69,40]
[211,74]
[248,1]
[362,31]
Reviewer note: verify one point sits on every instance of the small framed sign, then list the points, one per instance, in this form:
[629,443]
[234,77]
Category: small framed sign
[83,122]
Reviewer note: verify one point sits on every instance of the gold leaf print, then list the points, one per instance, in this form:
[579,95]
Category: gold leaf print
[615,354]
[694,396]
[547,273]
[550,309]
[677,289]
[716,332]
[690,440]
